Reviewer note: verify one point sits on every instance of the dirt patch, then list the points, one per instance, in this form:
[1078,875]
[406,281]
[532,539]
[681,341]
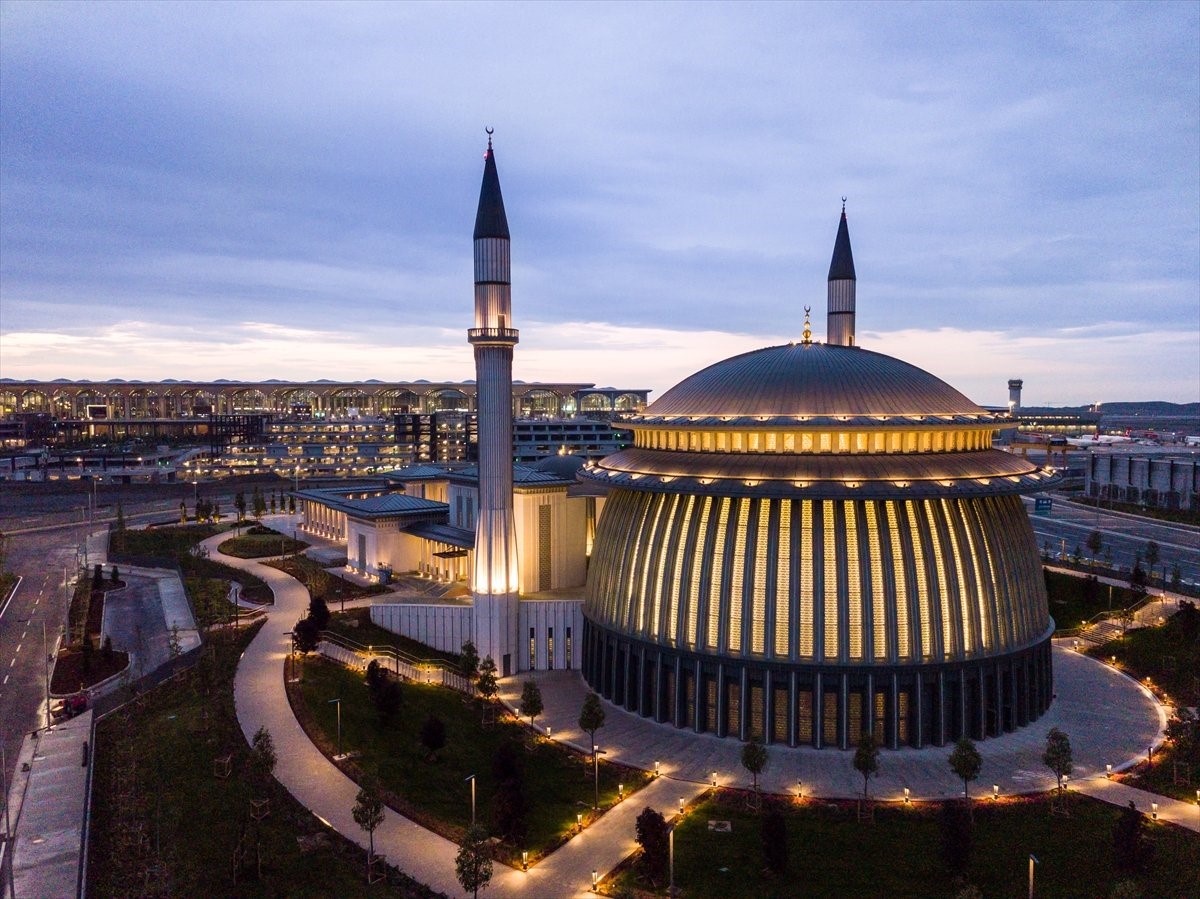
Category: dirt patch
[77,670]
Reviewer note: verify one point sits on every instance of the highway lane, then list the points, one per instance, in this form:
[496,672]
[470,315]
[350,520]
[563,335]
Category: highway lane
[1069,525]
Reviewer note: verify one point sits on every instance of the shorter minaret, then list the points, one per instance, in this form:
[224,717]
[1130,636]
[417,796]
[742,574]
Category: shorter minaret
[839,327]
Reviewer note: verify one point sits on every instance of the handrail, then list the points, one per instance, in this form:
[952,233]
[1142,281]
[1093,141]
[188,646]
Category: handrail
[385,649]
[1116,614]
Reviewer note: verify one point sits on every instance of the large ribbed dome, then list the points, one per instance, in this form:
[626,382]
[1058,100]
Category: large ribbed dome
[812,379]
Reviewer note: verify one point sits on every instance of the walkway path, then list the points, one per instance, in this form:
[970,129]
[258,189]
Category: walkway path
[317,784]
[1110,718]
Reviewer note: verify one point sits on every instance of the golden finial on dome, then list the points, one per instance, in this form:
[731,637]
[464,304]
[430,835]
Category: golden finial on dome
[807,325]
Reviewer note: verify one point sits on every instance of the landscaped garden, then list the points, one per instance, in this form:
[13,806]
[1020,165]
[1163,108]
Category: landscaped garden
[724,850]
[322,583]
[1167,659]
[1076,600]
[260,542]
[205,580]
[85,658]
[356,625]
[529,790]
[178,803]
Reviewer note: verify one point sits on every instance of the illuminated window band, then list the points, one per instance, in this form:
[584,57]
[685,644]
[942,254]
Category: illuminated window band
[831,581]
[934,439]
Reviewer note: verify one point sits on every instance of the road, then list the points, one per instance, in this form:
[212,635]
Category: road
[1123,535]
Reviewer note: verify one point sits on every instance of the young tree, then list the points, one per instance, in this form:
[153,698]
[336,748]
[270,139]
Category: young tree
[754,758]
[262,752]
[216,511]
[433,735]
[272,503]
[473,864]
[259,504]
[469,660]
[114,575]
[866,759]
[1057,756]
[650,831]
[1176,577]
[389,700]
[1095,542]
[966,761]
[318,612]
[1129,840]
[98,576]
[86,649]
[1183,731]
[591,716]
[307,635]
[239,503]
[182,512]
[1137,577]
[368,814]
[775,842]
[486,686]
[531,700]
[120,523]
[1153,554]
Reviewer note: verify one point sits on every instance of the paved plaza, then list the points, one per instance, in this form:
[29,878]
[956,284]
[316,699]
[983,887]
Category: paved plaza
[1110,719]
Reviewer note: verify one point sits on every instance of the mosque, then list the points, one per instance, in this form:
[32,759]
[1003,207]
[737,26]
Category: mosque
[804,543]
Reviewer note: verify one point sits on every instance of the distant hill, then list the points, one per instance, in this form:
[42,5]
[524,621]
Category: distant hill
[1154,408]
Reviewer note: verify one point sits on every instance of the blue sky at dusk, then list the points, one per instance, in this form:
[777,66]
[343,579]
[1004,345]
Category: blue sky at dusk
[288,190]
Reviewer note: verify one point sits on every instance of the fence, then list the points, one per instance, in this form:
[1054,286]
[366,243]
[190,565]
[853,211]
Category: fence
[356,655]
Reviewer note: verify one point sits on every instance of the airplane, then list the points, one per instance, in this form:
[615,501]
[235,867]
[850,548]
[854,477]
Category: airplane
[1098,440]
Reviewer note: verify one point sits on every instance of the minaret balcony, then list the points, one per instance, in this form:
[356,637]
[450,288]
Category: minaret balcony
[493,336]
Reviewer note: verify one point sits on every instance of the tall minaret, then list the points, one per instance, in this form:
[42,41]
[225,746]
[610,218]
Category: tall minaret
[839,328]
[495,578]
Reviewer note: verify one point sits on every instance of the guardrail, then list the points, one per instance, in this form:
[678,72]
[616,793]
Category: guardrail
[403,664]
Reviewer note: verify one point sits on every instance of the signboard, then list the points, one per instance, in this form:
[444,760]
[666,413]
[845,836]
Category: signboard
[1042,505]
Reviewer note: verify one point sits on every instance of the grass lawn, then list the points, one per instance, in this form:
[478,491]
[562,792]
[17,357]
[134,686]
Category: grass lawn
[323,583]
[1073,600]
[831,853]
[175,545]
[1169,655]
[433,792]
[356,624]
[164,824]
[258,546]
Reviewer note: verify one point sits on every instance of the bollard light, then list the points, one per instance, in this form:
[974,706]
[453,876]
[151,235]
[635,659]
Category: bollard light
[524,859]
[579,819]
[907,795]
[656,770]
[547,731]
[681,805]
[595,881]
[714,778]
[799,789]
[1108,771]
[620,792]
[995,792]
[1154,810]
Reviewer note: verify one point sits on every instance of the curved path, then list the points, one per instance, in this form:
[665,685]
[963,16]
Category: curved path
[317,783]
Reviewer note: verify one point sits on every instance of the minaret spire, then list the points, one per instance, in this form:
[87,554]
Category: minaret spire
[494,582]
[840,316]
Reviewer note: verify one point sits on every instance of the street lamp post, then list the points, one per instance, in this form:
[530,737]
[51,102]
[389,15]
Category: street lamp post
[1032,861]
[471,778]
[8,833]
[338,703]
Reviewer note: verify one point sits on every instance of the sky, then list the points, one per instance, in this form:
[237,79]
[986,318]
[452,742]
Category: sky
[251,191]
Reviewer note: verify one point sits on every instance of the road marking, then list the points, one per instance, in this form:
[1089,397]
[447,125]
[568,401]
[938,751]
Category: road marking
[24,632]
[6,677]
[18,652]
[13,662]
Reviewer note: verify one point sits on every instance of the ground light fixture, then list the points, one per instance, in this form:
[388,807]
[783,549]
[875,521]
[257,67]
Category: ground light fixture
[620,792]
[1154,811]
[799,789]
[681,805]
[995,792]
[595,880]
[579,820]
[524,859]
[907,795]
[657,772]
[1108,771]
[471,778]
[714,778]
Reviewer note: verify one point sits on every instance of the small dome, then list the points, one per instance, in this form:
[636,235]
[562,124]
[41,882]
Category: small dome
[563,466]
[812,379]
